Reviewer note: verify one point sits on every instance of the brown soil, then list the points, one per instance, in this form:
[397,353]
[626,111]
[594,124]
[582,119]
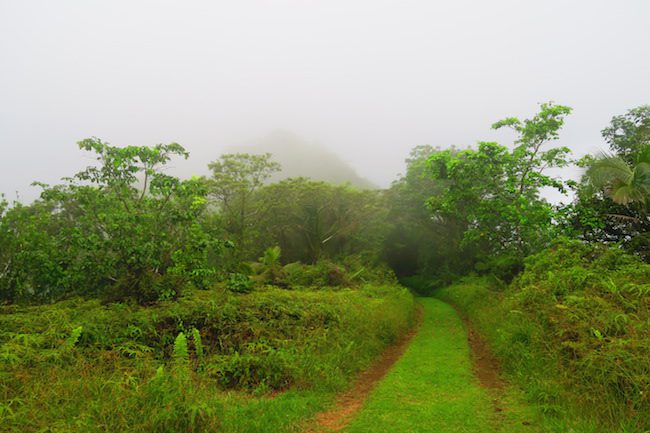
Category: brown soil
[350,402]
[486,366]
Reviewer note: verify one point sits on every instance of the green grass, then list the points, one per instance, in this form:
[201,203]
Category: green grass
[266,361]
[572,332]
[432,388]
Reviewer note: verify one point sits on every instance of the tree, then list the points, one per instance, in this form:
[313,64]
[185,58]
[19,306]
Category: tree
[628,134]
[418,242]
[529,160]
[611,202]
[493,194]
[235,179]
[311,220]
[118,229]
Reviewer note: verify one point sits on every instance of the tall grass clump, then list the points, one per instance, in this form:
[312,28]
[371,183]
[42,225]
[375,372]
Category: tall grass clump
[207,361]
[573,327]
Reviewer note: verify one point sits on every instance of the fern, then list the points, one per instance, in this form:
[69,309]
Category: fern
[198,345]
[181,356]
[160,373]
[271,257]
[72,340]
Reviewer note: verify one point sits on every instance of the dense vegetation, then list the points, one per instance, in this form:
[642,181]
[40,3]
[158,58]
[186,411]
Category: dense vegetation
[560,292]
[483,210]
[132,368]
[140,301]
[572,330]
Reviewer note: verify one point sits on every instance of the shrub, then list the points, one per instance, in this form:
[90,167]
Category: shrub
[574,326]
[271,268]
[104,234]
[239,283]
[132,367]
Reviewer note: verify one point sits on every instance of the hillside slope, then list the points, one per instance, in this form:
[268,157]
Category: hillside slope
[300,158]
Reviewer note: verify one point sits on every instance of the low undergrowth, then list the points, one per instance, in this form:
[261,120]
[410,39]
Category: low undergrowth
[211,360]
[573,330]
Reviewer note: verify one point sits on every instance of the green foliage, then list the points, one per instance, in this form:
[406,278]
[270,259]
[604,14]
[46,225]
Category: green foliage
[239,283]
[121,229]
[271,266]
[573,326]
[612,203]
[628,134]
[494,193]
[195,261]
[351,271]
[198,344]
[322,274]
[309,343]
[438,361]
[271,257]
[572,329]
[235,179]
[408,246]
[185,409]
[312,220]
[623,183]
[181,353]
[504,267]
[72,340]
[484,206]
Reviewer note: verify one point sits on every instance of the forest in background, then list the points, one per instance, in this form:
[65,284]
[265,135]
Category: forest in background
[244,284]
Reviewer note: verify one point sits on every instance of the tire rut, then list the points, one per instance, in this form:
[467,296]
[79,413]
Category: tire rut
[351,401]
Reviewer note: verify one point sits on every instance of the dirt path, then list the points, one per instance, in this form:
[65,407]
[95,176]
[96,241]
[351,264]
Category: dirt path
[350,402]
[486,366]
[447,381]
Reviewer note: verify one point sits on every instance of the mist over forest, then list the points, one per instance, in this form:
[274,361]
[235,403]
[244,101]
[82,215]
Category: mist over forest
[324,217]
[367,80]
[297,156]
[301,158]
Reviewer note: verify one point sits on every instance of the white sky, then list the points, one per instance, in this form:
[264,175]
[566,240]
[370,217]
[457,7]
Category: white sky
[369,79]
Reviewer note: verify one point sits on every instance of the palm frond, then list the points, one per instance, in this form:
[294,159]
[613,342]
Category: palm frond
[607,169]
[641,176]
[626,194]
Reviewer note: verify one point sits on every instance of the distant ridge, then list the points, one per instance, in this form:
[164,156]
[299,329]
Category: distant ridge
[299,157]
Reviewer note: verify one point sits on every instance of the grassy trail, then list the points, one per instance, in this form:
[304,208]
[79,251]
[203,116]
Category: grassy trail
[433,388]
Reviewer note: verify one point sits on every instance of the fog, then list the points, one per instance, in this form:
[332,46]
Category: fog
[368,80]
[301,158]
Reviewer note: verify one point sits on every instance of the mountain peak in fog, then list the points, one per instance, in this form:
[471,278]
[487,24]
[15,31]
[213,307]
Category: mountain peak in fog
[302,158]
